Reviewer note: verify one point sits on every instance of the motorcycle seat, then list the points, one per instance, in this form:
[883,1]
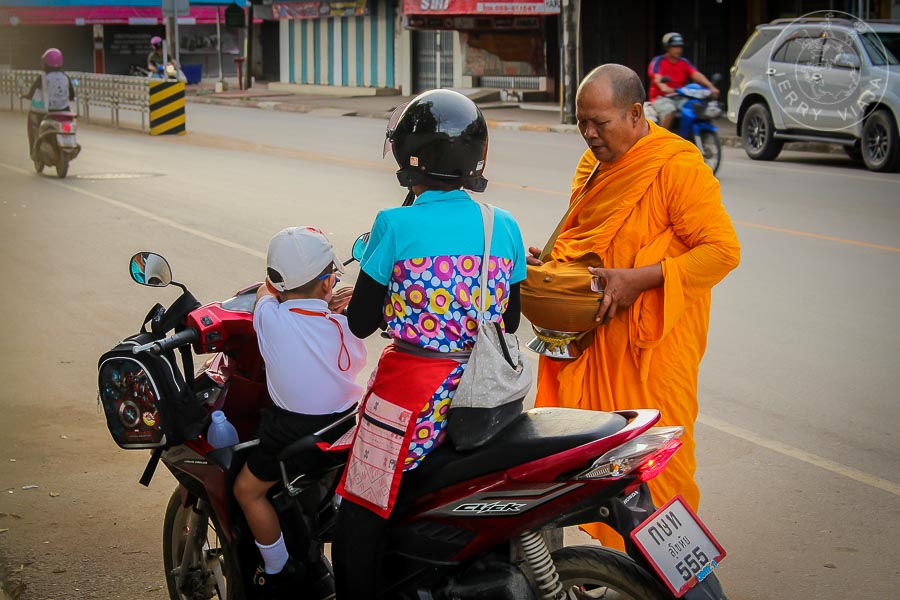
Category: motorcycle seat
[537,433]
[62,115]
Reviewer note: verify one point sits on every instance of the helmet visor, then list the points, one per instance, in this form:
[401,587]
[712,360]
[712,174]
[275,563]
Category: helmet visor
[392,124]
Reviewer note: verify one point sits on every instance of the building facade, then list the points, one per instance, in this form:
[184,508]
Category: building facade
[347,44]
[407,46]
[112,36]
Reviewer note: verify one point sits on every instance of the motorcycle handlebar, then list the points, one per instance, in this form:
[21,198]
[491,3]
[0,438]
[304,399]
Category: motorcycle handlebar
[182,338]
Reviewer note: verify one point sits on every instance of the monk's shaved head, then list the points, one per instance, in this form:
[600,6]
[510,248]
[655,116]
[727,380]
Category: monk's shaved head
[623,84]
[609,108]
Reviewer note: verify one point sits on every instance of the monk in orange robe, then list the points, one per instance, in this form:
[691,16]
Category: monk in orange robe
[653,212]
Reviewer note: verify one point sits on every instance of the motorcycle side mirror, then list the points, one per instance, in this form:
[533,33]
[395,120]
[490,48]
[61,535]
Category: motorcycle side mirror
[716,78]
[150,269]
[359,247]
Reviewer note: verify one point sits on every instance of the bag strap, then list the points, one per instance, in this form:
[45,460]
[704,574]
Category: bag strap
[151,315]
[150,469]
[548,247]
[487,219]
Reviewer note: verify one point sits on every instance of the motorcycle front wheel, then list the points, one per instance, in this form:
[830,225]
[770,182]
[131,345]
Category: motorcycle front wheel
[196,562]
[597,572]
[711,147]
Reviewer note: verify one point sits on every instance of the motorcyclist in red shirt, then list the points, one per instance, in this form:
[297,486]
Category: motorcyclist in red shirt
[667,73]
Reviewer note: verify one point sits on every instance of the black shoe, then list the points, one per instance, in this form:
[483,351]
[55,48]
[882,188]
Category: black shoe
[284,585]
[319,581]
[322,589]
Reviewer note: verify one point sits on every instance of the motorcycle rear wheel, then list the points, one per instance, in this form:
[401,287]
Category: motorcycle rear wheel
[597,572]
[712,149]
[62,167]
[213,570]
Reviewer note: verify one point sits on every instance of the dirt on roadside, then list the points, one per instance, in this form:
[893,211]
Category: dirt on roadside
[75,522]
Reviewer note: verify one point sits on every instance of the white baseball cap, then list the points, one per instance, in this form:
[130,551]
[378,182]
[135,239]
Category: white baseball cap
[299,255]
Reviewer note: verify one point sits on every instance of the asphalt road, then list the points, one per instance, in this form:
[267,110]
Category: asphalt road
[799,461]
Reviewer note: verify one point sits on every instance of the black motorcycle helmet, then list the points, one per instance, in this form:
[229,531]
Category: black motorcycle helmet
[439,136]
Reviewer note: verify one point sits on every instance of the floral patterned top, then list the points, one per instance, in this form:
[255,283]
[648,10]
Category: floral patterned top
[429,255]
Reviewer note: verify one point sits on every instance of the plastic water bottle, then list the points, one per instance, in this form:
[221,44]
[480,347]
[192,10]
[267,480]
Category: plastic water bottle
[221,433]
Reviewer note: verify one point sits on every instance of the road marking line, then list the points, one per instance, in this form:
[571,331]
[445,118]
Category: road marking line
[801,455]
[722,426]
[817,236]
[226,143]
[147,215]
[823,169]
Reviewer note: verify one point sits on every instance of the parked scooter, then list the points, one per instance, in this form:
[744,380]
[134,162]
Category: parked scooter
[466,524]
[169,72]
[694,120]
[55,144]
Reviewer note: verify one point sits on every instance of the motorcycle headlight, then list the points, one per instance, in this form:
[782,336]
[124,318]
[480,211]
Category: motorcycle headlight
[713,110]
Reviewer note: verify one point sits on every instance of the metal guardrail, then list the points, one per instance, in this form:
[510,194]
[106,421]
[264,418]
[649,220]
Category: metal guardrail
[518,82]
[116,92]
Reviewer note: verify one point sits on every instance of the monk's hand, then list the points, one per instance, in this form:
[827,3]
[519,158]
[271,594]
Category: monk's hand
[621,287]
[533,257]
[340,299]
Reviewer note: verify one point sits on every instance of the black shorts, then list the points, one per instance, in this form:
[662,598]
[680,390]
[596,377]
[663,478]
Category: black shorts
[279,428]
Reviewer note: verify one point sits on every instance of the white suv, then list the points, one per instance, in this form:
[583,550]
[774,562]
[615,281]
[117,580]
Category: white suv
[826,80]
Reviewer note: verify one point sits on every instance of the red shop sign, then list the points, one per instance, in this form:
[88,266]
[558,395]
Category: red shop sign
[481,7]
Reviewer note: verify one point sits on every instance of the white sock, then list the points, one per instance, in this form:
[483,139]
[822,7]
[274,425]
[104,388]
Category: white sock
[275,556]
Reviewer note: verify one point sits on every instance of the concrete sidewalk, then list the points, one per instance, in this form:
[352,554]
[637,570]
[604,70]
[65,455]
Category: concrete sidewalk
[527,116]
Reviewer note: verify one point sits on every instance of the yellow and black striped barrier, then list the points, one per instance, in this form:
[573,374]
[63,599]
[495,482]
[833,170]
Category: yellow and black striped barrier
[166,107]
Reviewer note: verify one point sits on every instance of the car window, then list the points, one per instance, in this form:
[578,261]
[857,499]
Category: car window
[799,51]
[883,47]
[760,38]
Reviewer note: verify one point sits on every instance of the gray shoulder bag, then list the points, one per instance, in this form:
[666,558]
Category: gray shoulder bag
[496,380]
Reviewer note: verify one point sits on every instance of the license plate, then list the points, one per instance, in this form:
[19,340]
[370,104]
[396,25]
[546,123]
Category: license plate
[66,141]
[678,546]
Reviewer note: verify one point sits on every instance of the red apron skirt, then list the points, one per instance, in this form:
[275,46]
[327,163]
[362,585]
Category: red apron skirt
[403,384]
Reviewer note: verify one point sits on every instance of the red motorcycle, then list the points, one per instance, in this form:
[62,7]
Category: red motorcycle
[467,525]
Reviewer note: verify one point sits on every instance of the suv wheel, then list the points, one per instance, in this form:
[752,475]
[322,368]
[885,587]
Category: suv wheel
[880,145]
[758,134]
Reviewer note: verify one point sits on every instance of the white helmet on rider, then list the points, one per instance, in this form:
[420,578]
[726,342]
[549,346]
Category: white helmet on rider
[673,38]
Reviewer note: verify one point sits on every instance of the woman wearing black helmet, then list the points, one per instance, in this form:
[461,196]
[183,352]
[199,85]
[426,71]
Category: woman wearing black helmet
[420,276]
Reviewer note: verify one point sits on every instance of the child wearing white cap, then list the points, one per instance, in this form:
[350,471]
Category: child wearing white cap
[312,361]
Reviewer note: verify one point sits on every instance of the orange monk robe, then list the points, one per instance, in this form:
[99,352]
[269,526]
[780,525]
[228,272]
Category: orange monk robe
[658,203]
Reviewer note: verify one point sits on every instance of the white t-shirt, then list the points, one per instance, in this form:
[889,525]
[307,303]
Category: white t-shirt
[52,94]
[308,370]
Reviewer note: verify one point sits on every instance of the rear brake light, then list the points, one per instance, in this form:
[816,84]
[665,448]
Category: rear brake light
[657,463]
[67,127]
[648,454]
